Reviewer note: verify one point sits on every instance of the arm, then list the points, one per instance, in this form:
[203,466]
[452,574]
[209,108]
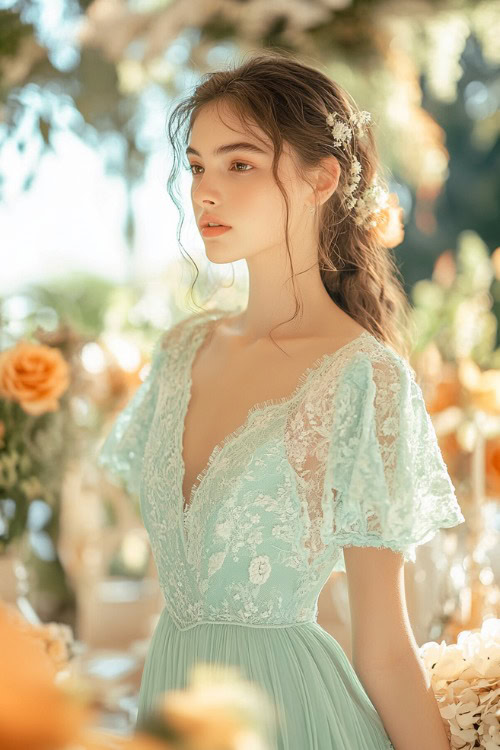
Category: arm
[385,653]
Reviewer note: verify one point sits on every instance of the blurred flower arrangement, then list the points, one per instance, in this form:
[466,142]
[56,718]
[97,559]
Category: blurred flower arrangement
[35,712]
[465,678]
[33,428]
[455,356]
[55,639]
[457,361]
[51,407]
[46,703]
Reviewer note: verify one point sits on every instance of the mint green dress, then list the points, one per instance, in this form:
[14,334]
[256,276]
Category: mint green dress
[350,458]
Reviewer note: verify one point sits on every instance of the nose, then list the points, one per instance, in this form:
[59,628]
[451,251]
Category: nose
[205,203]
[203,194]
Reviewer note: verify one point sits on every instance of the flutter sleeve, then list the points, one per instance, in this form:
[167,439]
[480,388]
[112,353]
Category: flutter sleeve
[123,449]
[386,483]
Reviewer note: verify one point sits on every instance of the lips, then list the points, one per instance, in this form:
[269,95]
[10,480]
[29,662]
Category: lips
[212,220]
[214,231]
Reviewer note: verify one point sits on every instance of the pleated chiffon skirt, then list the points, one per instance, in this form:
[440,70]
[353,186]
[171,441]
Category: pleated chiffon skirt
[319,702]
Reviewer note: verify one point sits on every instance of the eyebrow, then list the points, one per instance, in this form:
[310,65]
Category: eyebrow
[229,147]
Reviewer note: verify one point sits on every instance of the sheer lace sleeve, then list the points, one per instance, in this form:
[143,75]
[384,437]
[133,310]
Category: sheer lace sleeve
[123,449]
[386,481]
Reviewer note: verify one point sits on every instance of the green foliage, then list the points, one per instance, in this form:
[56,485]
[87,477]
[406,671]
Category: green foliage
[79,300]
[459,316]
[12,31]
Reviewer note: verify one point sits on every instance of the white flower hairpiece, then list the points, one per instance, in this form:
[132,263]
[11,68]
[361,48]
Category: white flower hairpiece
[352,184]
[370,203]
[343,131]
[374,198]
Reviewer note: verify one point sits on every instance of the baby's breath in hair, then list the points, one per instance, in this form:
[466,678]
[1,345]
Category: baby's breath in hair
[370,204]
[374,198]
[352,183]
[360,120]
[341,131]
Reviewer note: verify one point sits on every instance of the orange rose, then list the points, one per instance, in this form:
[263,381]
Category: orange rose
[35,375]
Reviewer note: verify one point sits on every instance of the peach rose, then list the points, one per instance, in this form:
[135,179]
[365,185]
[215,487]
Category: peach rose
[35,375]
[390,223]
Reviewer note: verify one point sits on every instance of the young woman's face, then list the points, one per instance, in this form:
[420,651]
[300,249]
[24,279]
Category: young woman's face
[238,187]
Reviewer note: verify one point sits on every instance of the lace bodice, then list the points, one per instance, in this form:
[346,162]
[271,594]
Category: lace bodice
[349,458]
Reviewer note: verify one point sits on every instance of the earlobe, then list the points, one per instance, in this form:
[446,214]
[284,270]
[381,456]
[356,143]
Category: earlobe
[328,178]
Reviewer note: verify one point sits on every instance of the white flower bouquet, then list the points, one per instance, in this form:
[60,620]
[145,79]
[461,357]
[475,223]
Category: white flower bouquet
[465,678]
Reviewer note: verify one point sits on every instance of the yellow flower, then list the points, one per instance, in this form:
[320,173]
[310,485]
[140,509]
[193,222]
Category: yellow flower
[34,375]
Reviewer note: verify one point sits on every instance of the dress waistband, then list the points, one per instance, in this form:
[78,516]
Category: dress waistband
[266,625]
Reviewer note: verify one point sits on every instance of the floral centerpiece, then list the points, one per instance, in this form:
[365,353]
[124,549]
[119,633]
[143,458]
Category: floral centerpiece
[33,431]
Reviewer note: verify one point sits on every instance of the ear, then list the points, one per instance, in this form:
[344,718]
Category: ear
[326,178]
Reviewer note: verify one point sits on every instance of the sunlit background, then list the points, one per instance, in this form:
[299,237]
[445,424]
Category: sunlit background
[92,270]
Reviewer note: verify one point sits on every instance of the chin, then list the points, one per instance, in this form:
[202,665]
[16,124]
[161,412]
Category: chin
[218,255]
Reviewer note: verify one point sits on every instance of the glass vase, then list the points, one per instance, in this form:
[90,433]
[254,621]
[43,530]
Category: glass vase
[14,578]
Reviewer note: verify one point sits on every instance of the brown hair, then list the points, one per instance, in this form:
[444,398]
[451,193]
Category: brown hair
[289,101]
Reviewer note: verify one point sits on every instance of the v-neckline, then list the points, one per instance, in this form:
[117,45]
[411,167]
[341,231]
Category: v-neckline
[198,337]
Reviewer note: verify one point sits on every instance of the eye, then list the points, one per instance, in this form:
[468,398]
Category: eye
[244,164]
[192,167]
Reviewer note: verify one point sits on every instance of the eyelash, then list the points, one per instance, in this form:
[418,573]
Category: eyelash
[195,174]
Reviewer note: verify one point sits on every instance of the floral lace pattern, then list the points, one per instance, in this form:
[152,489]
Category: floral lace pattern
[350,458]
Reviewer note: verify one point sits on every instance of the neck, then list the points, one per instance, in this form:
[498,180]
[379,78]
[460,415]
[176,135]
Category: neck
[271,301]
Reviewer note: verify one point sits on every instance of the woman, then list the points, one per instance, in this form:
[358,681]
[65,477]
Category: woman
[263,465]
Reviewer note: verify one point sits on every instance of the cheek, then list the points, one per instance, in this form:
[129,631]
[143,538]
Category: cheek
[262,195]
